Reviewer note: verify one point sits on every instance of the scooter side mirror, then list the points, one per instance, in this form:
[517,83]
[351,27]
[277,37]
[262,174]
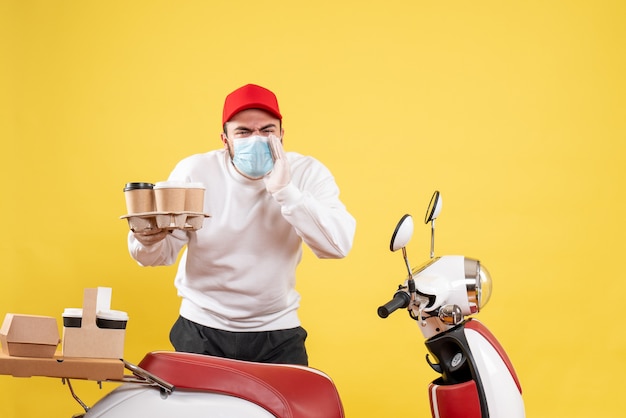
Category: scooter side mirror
[434,208]
[402,234]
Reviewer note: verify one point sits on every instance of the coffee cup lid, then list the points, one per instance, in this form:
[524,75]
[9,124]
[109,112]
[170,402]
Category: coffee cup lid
[112,315]
[170,184]
[138,186]
[179,185]
[72,313]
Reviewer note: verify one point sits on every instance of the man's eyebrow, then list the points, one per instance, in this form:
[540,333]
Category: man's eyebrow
[245,128]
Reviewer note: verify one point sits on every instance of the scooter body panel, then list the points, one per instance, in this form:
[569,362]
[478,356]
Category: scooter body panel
[454,401]
[478,380]
[133,400]
[500,387]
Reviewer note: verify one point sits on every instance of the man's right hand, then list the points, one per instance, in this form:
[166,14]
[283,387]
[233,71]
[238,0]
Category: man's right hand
[149,237]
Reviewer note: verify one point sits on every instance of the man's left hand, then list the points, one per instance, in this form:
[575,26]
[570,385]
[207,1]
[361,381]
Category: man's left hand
[280,176]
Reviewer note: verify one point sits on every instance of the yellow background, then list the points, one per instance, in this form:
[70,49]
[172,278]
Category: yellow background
[514,110]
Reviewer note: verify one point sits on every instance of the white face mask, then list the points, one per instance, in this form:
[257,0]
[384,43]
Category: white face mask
[252,156]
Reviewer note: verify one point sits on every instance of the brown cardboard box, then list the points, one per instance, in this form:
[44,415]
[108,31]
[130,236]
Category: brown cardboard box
[89,340]
[71,368]
[29,336]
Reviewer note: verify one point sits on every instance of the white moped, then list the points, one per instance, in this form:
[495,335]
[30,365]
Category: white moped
[477,378]
[172,384]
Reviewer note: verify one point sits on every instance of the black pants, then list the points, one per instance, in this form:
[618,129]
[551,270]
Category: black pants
[281,346]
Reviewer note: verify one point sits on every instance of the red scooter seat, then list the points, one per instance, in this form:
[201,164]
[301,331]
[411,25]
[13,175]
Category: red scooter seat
[287,391]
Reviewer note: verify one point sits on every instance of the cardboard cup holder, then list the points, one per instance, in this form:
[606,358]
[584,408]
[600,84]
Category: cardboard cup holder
[95,331]
[164,205]
[139,222]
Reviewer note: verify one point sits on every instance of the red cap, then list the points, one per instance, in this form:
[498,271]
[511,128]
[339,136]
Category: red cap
[250,96]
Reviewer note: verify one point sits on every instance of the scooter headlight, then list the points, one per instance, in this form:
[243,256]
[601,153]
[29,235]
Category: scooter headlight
[478,283]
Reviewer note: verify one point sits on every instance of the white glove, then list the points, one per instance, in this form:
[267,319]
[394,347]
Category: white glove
[151,236]
[280,176]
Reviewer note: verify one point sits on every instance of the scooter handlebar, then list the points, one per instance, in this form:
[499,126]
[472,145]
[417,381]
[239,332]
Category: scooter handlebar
[400,300]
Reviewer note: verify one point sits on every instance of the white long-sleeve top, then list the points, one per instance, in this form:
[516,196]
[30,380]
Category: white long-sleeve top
[237,272]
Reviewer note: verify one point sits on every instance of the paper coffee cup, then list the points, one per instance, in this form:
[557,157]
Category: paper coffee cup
[139,197]
[72,317]
[194,197]
[170,196]
[111,319]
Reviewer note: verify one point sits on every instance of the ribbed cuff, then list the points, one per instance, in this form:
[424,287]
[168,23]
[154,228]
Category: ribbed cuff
[288,196]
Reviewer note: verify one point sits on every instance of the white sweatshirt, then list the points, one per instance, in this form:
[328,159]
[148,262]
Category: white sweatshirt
[238,271]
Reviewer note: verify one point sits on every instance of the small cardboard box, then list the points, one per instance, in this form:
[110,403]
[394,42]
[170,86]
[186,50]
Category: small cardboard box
[89,340]
[29,336]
